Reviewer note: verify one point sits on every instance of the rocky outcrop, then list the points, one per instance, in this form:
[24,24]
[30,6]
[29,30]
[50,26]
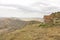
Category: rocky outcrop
[54,18]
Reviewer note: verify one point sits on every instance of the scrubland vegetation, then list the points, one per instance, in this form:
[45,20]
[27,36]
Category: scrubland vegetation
[33,32]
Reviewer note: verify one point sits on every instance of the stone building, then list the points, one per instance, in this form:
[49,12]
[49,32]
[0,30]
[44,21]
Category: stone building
[54,18]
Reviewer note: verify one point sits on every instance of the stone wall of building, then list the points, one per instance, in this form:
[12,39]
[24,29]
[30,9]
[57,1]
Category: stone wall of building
[48,19]
[54,18]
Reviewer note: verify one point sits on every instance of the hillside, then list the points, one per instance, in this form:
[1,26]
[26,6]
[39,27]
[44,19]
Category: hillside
[33,32]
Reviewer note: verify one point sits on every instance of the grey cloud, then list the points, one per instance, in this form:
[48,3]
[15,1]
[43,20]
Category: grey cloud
[23,8]
[47,7]
[44,11]
[26,10]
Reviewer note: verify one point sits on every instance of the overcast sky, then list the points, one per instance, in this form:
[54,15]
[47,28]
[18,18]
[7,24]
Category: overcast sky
[28,8]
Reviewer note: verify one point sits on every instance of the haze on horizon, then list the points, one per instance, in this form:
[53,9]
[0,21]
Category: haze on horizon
[28,8]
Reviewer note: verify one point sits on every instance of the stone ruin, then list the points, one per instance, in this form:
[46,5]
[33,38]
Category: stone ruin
[53,18]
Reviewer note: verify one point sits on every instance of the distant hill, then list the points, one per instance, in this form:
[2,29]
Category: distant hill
[34,19]
[12,24]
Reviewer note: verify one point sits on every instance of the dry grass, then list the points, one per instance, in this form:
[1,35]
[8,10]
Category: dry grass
[33,32]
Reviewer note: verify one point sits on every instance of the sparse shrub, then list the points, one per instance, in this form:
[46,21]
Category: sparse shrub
[23,31]
[46,25]
[43,25]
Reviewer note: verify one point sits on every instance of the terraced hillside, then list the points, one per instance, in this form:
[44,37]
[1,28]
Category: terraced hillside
[11,24]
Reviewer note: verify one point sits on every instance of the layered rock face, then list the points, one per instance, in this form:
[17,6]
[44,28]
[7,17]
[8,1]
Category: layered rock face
[54,18]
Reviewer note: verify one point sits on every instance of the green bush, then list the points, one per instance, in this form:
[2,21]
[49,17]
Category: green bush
[46,25]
